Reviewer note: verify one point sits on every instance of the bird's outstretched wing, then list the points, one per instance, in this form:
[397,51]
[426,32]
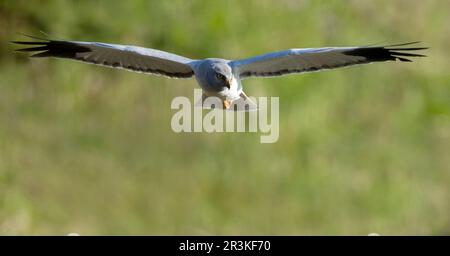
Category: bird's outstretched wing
[132,58]
[314,59]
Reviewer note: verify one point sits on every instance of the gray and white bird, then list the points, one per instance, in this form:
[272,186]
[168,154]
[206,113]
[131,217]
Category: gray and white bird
[218,77]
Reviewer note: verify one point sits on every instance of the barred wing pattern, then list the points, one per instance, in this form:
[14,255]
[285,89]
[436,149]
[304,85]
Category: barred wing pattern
[315,59]
[132,58]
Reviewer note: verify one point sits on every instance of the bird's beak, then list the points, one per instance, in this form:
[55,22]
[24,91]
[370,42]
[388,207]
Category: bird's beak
[229,81]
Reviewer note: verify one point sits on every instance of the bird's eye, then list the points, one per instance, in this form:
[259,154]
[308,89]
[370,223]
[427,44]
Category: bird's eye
[220,76]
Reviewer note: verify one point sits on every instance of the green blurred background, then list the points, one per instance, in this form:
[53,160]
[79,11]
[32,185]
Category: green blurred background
[90,150]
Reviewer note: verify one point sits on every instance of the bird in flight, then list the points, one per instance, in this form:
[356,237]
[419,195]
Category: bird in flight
[218,77]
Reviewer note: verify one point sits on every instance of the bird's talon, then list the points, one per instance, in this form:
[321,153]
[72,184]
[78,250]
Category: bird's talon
[226,104]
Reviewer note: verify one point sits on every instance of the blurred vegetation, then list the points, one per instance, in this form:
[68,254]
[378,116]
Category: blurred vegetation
[88,149]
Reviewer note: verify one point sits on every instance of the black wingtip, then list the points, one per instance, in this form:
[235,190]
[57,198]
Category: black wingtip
[403,44]
[409,49]
[404,59]
[37,46]
[51,48]
[33,49]
[388,53]
[28,42]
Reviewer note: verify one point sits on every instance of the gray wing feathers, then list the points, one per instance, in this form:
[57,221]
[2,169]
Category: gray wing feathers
[314,59]
[132,58]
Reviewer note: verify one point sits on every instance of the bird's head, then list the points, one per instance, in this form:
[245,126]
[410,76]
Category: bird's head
[220,75]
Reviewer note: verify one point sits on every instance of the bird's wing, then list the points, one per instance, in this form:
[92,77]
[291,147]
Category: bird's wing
[314,59]
[132,58]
